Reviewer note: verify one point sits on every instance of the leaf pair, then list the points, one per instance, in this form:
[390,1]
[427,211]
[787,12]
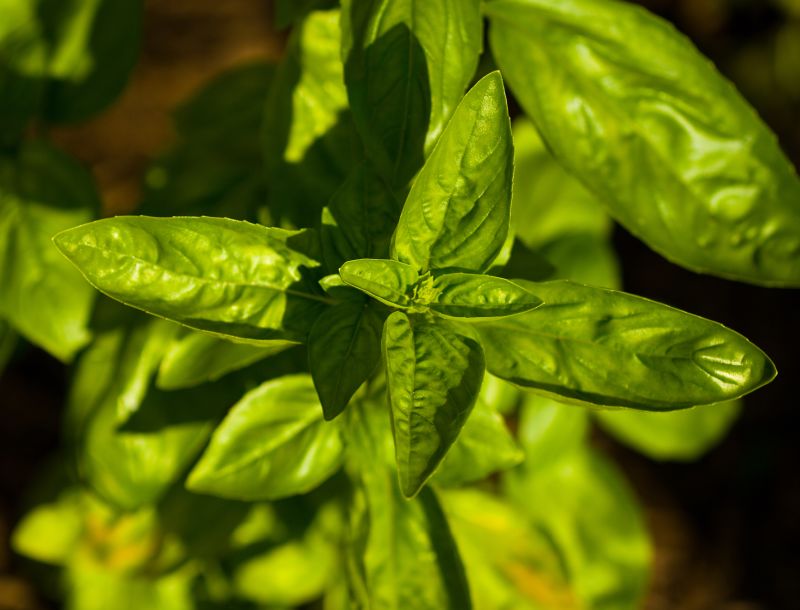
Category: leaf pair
[454,295]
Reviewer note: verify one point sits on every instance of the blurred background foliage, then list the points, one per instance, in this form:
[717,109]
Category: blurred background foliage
[724,528]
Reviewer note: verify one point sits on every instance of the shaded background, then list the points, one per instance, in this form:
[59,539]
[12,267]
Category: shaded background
[726,528]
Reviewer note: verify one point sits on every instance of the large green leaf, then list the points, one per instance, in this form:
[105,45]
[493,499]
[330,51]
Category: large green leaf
[434,370]
[196,358]
[511,565]
[628,105]
[457,213]
[405,556]
[610,348]
[344,347]
[307,131]
[407,64]
[586,508]
[112,47]
[42,192]
[227,277]
[680,436]
[472,295]
[484,446]
[388,281]
[274,443]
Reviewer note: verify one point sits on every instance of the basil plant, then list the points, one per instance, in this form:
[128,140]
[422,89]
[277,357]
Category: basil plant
[352,272]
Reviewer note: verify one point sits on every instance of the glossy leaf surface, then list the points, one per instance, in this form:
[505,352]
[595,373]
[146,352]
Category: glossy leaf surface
[630,106]
[198,358]
[610,348]
[344,347]
[457,213]
[227,277]
[274,443]
[434,370]
[43,192]
[407,64]
[471,295]
[388,281]
[680,436]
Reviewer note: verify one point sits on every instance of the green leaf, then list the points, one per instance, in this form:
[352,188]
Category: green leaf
[293,573]
[216,167]
[112,49]
[49,533]
[405,555]
[457,213]
[230,104]
[274,443]
[42,192]
[554,214]
[629,105]
[359,219]
[547,203]
[471,295]
[307,130]
[288,12]
[407,65]
[344,346]
[94,587]
[549,430]
[680,436]
[610,348]
[388,281]
[585,259]
[133,465]
[226,277]
[144,349]
[510,563]
[198,358]
[484,446]
[586,508]
[434,370]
